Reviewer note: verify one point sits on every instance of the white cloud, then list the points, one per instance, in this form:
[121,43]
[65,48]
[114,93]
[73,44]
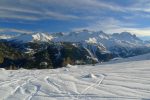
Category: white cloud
[48,9]
[62,9]
[3,30]
[90,10]
[35,15]
[81,4]
[111,25]
[31,12]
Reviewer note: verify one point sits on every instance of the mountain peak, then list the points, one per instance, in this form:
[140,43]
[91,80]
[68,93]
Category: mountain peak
[42,37]
[127,36]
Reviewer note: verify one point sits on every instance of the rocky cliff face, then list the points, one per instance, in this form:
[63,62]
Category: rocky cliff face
[49,55]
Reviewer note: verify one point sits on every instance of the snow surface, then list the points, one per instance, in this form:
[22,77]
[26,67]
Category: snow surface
[118,80]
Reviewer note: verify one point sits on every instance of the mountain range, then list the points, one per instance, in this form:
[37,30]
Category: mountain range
[78,47]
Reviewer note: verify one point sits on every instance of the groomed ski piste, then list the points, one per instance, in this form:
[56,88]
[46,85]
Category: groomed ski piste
[123,79]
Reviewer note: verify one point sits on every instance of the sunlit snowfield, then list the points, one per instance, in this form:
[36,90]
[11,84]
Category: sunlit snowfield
[127,80]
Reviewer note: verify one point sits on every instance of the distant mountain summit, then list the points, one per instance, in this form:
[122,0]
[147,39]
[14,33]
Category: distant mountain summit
[34,37]
[126,36]
[125,39]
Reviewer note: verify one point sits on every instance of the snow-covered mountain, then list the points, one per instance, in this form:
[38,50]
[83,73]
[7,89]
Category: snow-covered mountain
[35,37]
[83,36]
[125,39]
[120,44]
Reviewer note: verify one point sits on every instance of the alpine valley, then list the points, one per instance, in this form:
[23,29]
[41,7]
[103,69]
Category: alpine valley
[55,50]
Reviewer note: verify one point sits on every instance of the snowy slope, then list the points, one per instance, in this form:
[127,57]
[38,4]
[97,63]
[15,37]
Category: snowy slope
[135,58]
[116,81]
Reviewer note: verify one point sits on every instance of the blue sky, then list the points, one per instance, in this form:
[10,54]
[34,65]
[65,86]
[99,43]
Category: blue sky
[27,16]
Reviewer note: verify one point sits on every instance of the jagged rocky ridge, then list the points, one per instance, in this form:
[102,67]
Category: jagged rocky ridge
[48,55]
[40,50]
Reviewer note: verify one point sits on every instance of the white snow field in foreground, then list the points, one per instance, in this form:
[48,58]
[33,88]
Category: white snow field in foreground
[115,81]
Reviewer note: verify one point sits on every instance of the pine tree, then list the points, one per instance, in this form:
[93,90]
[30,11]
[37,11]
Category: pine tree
[1,58]
[67,61]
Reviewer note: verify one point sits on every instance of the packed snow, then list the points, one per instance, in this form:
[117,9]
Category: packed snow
[118,80]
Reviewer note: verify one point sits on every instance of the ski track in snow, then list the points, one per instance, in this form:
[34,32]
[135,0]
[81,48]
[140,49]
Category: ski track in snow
[97,83]
[118,81]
